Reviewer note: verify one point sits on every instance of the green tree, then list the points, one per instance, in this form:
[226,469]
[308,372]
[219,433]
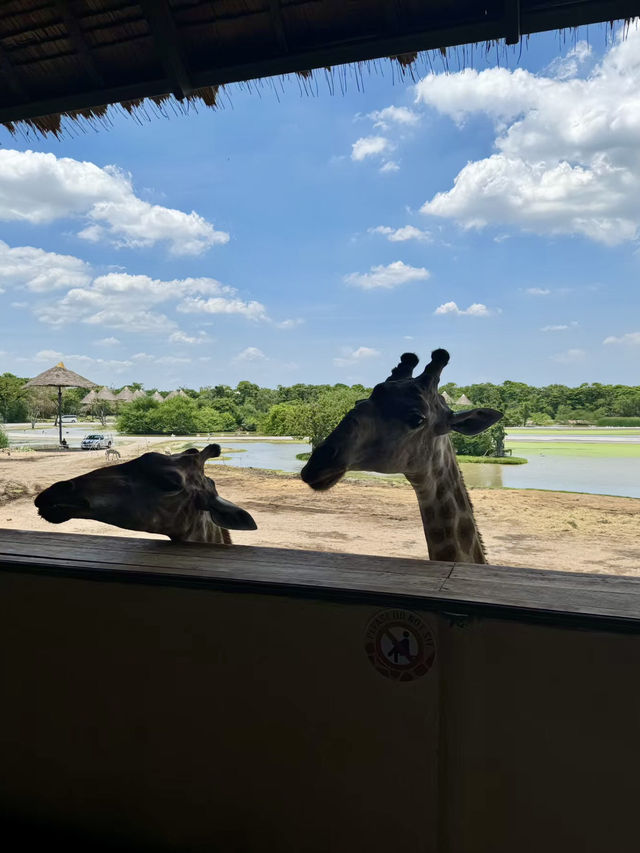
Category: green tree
[4,440]
[41,403]
[12,403]
[177,416]
[136,417]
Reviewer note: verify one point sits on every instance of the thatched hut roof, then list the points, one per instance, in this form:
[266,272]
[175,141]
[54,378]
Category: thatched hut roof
[106,395]
[125,396]
[89,400]
[447,398]
[60,376]
[463,400]
[178,393]
[73,59]
[137,395]
[158,397]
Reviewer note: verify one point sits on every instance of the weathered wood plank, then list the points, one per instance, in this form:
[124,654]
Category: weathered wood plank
[287,572]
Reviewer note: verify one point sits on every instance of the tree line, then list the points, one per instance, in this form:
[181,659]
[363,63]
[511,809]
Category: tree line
[311,410]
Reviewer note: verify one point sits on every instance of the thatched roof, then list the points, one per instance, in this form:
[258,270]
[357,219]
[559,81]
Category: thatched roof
[107,395]
[125,396]
[463,400]
[89,400]
[75,58]
[178,393]
[157,396]
[447,398]
[138,394]
[60,376]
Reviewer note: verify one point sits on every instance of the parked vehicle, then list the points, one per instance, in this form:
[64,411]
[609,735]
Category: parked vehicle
[96,441]
[69,419]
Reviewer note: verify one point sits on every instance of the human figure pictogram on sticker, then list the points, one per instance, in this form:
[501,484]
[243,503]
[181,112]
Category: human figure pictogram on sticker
[400,644]
[399,647]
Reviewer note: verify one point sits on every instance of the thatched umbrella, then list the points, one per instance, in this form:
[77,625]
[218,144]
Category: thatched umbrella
[59,377]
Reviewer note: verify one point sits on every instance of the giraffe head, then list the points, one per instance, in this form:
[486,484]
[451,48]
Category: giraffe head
[396,428]
[155,493]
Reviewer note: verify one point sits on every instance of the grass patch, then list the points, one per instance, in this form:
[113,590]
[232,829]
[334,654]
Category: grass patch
[493,460]
[570,431]
[303,456]
[587,451]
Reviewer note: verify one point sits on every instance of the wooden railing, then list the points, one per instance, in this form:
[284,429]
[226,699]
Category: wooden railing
[233,698]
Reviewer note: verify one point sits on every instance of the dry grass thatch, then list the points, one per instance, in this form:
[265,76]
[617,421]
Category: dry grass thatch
[60,376]
[63,63]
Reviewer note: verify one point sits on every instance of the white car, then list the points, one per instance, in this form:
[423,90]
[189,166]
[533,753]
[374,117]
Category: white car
[69,419]
[96,441]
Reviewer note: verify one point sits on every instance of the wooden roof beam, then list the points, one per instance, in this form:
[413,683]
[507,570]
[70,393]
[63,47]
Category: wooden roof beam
[79,42]
[512,22]
[166,40]
[275,12]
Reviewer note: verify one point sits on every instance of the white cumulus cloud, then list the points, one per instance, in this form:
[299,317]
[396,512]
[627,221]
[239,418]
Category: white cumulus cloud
[123,301]
[250,354]
[393,115]
[631,338]
[387,277]
[350,356]
[477,309]
[39,271]
[567,158]
[367,146]
[400,235]
[181,337]
[40,188]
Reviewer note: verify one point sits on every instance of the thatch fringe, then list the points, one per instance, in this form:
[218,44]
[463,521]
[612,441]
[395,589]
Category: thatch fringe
[413,64]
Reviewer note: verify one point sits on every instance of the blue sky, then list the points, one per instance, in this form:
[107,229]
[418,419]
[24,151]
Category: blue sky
[293,237]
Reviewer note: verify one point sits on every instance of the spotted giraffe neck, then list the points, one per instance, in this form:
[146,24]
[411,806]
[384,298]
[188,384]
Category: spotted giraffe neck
[447,514]
[201,528]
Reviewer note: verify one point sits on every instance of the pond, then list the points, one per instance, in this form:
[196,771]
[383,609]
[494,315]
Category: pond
[606,476]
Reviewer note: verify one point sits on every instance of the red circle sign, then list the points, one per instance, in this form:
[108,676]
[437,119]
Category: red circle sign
[400,644]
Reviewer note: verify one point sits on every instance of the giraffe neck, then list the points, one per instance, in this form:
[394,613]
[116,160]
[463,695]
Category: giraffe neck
[201,528]
[447,514]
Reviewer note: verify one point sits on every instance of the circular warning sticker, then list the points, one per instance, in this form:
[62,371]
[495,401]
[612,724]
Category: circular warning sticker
[400,645]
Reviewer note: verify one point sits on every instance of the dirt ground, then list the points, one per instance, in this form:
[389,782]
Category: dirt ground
[546,530]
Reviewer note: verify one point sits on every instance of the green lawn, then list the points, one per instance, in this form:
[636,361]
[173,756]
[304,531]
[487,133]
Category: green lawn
[566,448]
[570,431]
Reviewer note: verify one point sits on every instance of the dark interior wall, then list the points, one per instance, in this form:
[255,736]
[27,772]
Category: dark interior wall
[186,718]
[192,719]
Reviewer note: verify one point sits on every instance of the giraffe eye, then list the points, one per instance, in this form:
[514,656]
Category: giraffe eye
[414,419]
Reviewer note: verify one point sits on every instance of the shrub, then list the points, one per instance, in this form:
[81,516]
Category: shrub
[136,417]
[628,422]
[177,416]
[472,445]
[4,441]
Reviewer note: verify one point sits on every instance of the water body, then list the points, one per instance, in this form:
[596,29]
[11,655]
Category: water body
[556,473]
[607,476]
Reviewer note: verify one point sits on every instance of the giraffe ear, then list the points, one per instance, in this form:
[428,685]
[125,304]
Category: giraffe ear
[228,515]
[474,421]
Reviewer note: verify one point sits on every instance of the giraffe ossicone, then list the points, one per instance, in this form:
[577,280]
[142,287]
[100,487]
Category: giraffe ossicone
[402,428]
[154,493]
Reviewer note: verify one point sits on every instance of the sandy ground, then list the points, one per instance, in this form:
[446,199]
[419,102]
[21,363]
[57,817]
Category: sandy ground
[546,530]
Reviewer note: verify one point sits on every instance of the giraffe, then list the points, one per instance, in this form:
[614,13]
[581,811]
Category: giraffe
[155,493]
[403,428]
